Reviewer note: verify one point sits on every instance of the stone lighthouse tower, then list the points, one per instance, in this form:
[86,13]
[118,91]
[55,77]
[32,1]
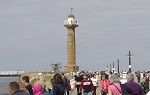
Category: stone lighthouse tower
[71,24]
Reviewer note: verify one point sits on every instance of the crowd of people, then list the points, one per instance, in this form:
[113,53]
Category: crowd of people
[86,83]
[60,86]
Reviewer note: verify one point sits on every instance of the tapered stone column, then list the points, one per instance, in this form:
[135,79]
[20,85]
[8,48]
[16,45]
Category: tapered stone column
[71,24]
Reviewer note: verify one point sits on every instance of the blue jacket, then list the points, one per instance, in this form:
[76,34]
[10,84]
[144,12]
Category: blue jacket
[18,92]
[58,89]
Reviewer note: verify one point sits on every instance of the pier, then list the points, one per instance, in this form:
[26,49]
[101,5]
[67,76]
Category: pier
[10,73]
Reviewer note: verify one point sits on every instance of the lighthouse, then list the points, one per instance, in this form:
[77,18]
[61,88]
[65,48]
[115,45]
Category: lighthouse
[71,23]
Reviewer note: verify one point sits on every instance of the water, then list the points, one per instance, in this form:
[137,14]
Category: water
[4,82]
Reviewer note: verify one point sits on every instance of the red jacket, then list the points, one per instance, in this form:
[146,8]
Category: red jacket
[104,85]
[86,86]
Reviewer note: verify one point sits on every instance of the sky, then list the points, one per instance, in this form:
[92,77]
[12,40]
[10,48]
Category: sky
[33,36]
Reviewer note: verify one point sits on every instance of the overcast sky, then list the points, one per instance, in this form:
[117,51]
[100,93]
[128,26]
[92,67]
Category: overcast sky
[33,36]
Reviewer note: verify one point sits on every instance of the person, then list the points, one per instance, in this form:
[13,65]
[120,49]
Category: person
[86,86]
[78,79]
[14,89]
[138,76]
[95,83]
[68,89]
[52,85]
[104,83]
[115,87]
[66,84]
[58,87]
[145,85]
[135,88]
[28,86]
[38,89]
[46,89]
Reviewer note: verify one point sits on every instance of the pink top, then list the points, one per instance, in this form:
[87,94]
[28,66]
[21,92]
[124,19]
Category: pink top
[37,89]
[112,90]
[104,85]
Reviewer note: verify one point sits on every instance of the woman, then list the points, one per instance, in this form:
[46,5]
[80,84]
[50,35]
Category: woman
[38,89]
[58,87]
[115,87]
[104,83]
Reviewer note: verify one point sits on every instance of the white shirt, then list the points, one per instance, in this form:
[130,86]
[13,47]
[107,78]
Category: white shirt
[94,81]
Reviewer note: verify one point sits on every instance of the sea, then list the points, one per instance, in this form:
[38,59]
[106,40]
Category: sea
[4,82]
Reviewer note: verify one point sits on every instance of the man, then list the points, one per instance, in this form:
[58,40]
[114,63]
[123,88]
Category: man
[133,86]
[86,86]
[27,85]
[78,79]
[14,89]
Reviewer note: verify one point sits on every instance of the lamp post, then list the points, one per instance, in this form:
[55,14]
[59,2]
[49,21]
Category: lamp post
[110,68]
[113,69]
[129,61]
[107,69]
[118,61]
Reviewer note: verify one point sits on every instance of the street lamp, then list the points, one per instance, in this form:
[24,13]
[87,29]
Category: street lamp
[129,61]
